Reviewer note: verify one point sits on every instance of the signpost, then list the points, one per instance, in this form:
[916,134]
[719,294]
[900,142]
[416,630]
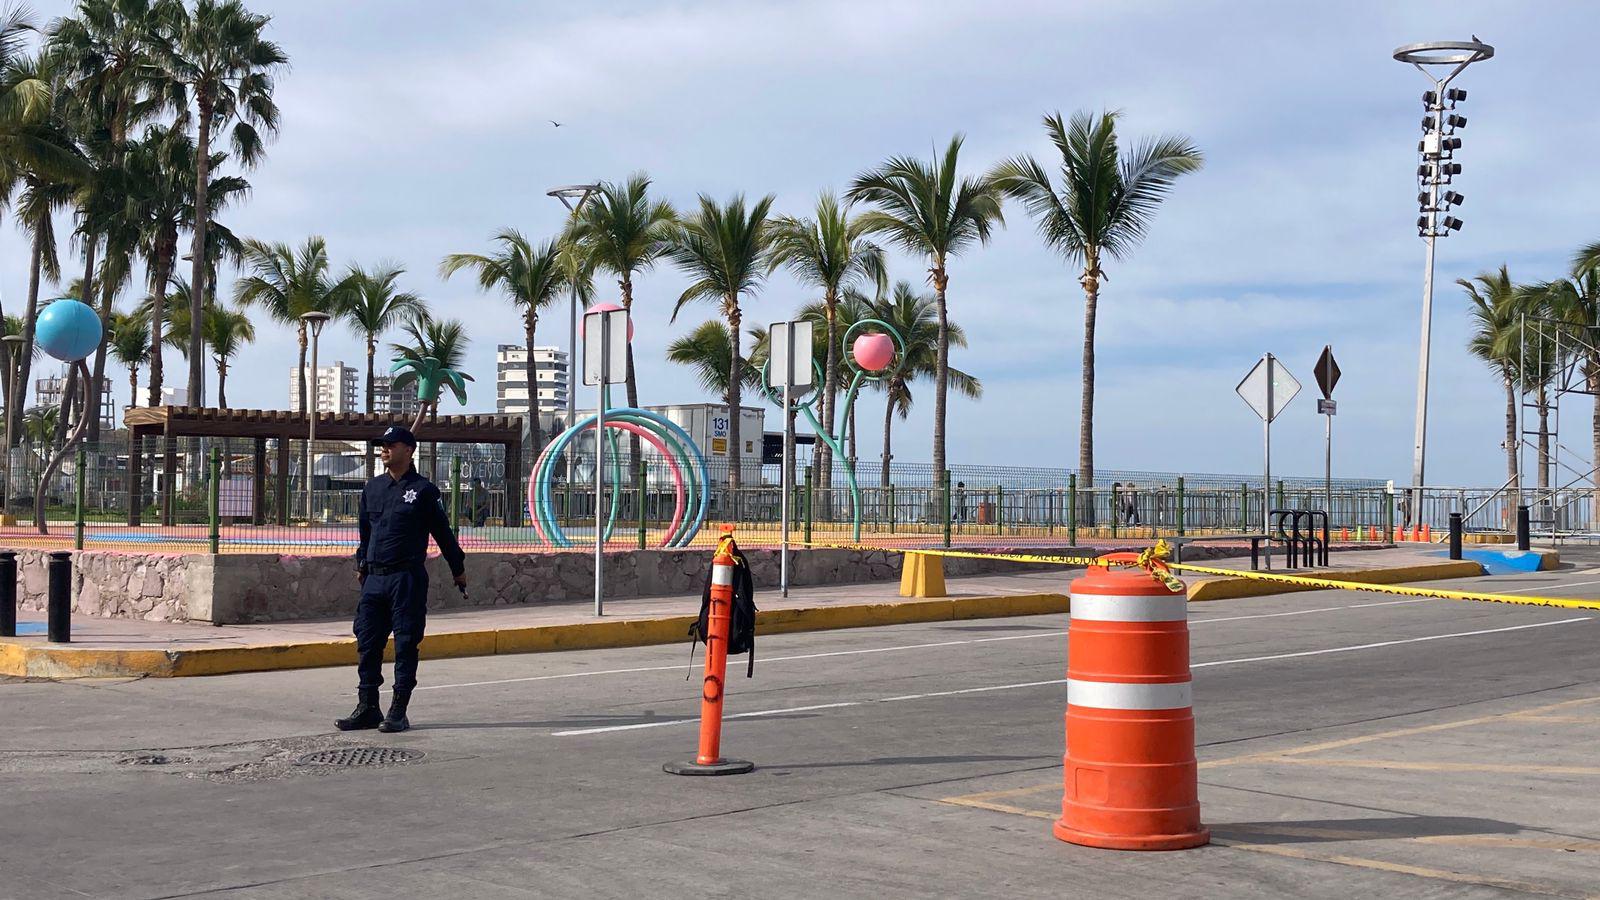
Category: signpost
[1268,388]
[1327,377]
[790,368]
[605,361]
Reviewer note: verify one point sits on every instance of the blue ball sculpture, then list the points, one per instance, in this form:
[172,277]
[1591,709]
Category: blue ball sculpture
[68,330]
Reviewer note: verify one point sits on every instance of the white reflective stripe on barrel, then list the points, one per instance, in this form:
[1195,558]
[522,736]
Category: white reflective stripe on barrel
[1133,608]
[1117,695]
[722,575]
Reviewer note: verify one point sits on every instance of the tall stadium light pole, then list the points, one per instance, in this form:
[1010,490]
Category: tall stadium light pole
[572,196]
[1436,170]
[314,320]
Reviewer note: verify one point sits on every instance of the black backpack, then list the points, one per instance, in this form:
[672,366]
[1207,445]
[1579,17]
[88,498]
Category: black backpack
[742,621]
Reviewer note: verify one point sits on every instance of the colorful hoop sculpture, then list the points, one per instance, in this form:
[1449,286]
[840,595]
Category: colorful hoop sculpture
[683,459]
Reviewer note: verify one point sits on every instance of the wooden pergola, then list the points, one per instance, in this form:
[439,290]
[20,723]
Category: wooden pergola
[262,425]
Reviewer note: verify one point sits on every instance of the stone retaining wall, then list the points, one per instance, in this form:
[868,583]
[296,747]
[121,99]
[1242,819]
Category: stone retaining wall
[268,587]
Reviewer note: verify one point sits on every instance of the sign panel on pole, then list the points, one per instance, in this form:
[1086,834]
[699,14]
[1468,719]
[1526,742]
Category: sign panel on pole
[1268,382]
[605,325]
[1327,372]
[1327,407]
[792,346]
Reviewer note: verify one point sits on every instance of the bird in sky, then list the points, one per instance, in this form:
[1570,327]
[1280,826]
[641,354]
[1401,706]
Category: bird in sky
[554,122]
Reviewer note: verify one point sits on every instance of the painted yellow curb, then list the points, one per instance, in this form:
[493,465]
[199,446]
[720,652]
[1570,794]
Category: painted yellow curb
[48,661]
[1224,588]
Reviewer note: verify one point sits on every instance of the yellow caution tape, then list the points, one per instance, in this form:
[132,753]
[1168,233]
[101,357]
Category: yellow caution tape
[1153,560]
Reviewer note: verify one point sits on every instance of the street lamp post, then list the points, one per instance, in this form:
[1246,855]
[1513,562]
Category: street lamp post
[12,351]
[1437,169]
[315,320]
[572,196]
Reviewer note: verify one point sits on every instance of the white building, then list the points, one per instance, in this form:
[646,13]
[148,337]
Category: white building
[511,380]
[707,424]
[338,388]
[387,400]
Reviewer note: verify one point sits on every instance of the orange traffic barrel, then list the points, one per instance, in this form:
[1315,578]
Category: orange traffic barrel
[1130,780]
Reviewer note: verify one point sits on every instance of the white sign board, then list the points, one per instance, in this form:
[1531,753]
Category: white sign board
[792,344]
[605,346]
[1269,379]
[236,497]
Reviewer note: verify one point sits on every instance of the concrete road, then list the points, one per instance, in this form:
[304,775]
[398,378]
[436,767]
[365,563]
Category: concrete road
[1351,744]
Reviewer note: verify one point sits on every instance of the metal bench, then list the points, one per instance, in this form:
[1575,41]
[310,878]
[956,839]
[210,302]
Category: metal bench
[1176,543]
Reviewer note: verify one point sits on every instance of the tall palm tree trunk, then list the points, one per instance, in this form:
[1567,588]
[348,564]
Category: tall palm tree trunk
[97,383]
[222,383]
[1544,441]
[1592,376]
[24,366]
[635,447]
[69,394]
[941,375]
[1512,444]
[888,433]
[830,400]
[197,276]
[735,392]
[530,324]
[159,280]
[133,385]
[1091,303]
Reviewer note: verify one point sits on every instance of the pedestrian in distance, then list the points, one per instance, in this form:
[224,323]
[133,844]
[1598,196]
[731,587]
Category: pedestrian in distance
[1405,510]
[399,511]
[480,503]
[1130,504]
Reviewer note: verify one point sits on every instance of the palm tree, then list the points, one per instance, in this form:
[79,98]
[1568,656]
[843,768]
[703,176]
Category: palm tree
[531,278]
[622,231]
[218,55]
[161,167]
[288,283]
[39,428]
[707,350]
[830,252]
[916,318]
[927,210]
[1103,208]
[1496,323]
[1575,300]
[723,248]
[129,343]
[224,330]
[432,357]
[1535,348]
[377,305]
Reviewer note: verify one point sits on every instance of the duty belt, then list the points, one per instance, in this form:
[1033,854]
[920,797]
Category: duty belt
[380,569]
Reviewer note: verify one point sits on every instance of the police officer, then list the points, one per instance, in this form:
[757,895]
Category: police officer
[399,509]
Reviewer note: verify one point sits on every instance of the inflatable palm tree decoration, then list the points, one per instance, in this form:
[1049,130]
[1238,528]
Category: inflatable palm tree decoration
[431,363]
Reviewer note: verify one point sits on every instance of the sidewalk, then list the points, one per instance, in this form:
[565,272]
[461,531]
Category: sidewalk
[133,648]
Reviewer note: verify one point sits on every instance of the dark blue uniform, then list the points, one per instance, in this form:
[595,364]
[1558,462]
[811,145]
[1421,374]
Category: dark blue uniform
[397,516]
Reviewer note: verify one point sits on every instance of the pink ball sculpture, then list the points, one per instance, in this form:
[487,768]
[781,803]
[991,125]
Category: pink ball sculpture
[603,307]
[873,352]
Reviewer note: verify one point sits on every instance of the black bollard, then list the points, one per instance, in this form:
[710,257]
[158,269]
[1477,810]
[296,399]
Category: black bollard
[8,593]
[1455,535]
[1522,528]
[60,599]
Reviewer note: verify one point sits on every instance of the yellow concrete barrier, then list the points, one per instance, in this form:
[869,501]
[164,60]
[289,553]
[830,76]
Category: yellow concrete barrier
[922,575]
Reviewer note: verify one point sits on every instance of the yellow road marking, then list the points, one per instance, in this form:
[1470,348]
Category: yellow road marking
[1408,766]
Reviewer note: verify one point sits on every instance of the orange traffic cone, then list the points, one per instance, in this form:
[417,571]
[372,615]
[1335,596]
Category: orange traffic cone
[709,760]
[1344,535]
[1130,780]
[1427,533]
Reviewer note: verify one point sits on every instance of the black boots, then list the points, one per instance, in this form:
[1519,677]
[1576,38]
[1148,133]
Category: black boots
[368,714]
[396,719]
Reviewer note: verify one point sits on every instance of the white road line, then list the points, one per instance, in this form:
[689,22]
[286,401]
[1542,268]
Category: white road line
[988,640]
[1558,587]
[1028,684]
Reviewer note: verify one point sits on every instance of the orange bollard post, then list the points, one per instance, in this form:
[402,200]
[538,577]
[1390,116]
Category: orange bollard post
[709,760]
[1131,780]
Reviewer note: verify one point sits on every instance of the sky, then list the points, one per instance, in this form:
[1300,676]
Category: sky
[409,133]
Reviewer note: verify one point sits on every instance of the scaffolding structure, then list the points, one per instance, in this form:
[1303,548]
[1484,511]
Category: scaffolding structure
[1553,362]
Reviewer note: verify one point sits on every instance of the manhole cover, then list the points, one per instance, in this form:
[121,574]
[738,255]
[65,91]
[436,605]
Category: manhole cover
[360,756]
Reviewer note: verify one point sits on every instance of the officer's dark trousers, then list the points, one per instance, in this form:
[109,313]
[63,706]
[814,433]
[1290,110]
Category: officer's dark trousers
[395,602]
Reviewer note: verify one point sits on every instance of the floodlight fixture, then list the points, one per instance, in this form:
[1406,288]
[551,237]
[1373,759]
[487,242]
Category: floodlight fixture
[1441,62]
